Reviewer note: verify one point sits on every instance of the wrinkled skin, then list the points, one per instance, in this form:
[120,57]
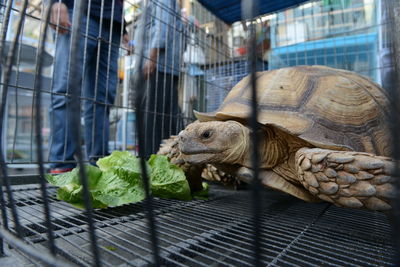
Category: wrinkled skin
[214,142]
[226,145]
[345,178]
[196,172]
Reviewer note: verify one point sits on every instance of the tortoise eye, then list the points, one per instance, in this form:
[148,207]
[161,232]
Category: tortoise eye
[206,134]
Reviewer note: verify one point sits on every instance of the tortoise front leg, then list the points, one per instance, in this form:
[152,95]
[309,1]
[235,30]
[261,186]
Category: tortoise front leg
[347,179]
[270,179]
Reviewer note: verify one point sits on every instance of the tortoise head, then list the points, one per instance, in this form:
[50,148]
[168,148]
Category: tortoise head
[214,142]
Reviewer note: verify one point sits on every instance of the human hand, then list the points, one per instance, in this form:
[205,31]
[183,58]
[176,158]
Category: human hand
[59,16]
[149,68]
[150,65]
[125,39]
[127,44]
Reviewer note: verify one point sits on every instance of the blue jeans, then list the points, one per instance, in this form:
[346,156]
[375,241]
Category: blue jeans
[98,68]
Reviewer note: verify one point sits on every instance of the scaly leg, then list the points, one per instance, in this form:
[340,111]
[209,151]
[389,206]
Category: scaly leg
[346,178]
[270,179]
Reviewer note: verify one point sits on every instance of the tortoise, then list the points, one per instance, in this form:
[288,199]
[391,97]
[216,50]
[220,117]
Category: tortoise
[324,135]
[194,172]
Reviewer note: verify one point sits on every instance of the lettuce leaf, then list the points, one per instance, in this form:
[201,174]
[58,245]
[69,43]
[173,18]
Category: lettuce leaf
[71,189]
[121,182]
[168,180]
[117,181]
[202,194]
[72,177]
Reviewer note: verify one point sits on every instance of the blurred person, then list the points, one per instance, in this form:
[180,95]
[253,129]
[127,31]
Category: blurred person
[97,68]
[385,50]
[163,46]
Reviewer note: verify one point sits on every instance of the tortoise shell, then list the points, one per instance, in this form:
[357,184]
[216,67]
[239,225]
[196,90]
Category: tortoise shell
[328,108]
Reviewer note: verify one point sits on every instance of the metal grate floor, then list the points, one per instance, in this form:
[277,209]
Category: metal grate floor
[214,232]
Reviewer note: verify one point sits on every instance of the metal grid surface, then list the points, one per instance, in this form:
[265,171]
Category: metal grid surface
[257,228]
[213,232]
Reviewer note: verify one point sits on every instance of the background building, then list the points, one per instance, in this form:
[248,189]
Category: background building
[338,33]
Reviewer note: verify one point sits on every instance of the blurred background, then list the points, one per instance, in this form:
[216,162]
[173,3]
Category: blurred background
[343,34]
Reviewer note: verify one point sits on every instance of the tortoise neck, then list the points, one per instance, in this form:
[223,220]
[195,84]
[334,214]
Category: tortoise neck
[240,150]
[272,149]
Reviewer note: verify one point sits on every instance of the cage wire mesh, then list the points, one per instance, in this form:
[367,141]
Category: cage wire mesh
[202,58]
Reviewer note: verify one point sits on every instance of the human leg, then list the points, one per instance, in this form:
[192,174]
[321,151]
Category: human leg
[62,144]
[100,91]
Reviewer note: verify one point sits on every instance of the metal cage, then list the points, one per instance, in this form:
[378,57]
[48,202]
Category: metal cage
[201,60]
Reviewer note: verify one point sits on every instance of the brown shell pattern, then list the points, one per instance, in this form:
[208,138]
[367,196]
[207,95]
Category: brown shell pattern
[329,108]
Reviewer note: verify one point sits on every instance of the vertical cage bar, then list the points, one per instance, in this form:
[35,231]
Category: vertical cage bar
[3,34]
[138,82]
[33,135]
[4,27]
[74,88]
[249,10]
[17,80]
[96,84]
[51,117]
[394,96]
[38,128]
[106,104]
[172,96]
[6,80]
[163,24]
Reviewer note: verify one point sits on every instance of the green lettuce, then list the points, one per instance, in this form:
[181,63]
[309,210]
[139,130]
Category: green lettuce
[117,181]
[168,180]
[70,187]
[202,194]
[121,181]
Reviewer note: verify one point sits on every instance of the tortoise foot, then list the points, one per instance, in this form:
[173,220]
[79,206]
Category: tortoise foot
[347,179]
